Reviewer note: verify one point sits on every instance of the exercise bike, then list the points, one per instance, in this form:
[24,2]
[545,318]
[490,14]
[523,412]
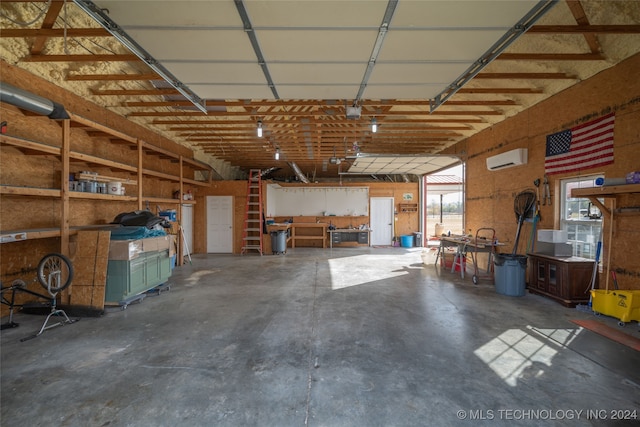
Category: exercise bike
[54,273]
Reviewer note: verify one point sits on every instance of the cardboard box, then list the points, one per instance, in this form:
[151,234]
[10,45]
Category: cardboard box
[155,244]
[554,249]
[125,249]
[553,236]
[131,249]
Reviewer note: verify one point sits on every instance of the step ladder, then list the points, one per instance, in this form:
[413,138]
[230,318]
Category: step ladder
[252,235]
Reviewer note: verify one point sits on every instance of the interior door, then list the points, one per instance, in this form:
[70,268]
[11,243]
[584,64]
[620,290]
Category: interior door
[219,224]
[382,220]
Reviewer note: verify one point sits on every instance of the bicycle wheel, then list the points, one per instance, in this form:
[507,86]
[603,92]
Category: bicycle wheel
[55,272]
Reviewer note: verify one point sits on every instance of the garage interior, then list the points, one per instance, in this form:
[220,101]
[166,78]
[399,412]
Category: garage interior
[201,114]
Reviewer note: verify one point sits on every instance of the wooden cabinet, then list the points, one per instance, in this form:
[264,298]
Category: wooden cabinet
[564,279]
[408,207]
[128,278]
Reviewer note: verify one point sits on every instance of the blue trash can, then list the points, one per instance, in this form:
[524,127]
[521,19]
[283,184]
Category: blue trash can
[510,274]
[406,241]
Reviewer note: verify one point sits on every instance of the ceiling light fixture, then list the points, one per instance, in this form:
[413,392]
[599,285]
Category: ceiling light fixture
[259,128]
[374,125]
[277,155]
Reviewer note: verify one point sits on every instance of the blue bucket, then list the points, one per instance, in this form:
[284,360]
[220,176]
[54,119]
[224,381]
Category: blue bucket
[406,241]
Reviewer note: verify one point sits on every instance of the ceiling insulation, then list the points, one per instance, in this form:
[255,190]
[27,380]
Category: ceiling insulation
[319,56]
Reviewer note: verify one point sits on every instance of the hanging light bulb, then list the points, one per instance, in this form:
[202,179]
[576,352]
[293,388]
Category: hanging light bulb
[259,128]
[277,155]
[374,125]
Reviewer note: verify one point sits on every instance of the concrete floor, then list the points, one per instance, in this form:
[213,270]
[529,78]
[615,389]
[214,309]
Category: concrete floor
[342,337]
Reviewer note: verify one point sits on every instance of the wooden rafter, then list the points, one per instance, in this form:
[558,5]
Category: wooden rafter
[310,113]
[48,22]
[112,77]
[583,27]
[126,57]
[54,32]
[580,16]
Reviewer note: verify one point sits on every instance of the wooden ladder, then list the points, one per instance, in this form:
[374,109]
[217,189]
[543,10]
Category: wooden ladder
[252,235]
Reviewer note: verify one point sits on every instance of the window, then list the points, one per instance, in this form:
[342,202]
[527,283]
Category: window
[581,219]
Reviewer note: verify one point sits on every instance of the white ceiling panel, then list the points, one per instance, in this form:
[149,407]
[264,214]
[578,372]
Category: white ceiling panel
[318,91]
[317,49]
[183,13]
[201,45]
[434,74]
[401,91]
[316,13]
[316,46]
[310,74]
[466,45]
[220,72]
[460,13]
[237,91]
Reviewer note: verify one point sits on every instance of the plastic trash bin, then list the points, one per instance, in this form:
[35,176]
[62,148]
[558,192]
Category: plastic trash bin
[406,241]
[417,239]
[279,241]
[510,274]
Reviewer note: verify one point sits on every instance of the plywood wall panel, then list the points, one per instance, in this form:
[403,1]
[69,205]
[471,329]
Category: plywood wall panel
[490,194]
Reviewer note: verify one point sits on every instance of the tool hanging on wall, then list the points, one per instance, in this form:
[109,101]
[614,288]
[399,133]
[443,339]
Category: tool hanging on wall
[536,217]
[546,196]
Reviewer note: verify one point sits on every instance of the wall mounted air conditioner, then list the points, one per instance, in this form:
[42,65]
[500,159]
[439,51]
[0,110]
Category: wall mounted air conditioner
[507,159]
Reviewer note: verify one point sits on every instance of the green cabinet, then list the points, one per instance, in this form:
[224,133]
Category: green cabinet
[128,278]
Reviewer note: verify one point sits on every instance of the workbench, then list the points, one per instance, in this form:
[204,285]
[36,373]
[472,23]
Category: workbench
[343,235]
[309,231]
[464,244]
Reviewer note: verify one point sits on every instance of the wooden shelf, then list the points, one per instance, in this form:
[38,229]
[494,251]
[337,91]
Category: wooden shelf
[604,192]
[408,207]
[93,160]
[168,201]
[31,147]
[29,191]
[100,196]
[295,230]
[20,235]
[132,172]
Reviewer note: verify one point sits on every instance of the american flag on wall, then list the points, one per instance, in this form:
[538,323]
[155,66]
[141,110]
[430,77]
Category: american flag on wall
[586,146]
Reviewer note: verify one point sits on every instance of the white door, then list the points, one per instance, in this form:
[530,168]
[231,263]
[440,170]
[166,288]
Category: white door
[219,224]
[186,220]
[382,219]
